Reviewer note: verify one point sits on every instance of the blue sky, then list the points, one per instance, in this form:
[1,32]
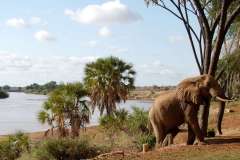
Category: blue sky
[53,40]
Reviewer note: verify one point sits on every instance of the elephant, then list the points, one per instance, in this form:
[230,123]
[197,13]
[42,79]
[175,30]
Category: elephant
[175,107]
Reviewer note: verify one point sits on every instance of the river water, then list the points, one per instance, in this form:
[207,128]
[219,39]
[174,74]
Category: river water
[19,112]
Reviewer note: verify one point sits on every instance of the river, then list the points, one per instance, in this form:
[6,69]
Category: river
[19,112]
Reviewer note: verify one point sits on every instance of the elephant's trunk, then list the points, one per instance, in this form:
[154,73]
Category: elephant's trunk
[220,117]
[223,99]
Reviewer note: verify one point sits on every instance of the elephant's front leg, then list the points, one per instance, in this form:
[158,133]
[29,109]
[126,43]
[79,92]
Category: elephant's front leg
[192,120]
[191,136]
[196,129]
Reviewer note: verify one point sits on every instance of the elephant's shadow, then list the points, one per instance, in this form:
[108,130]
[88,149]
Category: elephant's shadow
[223,140]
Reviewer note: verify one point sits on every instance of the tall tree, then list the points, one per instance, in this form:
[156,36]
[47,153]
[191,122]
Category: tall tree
[108,81]
[214,18]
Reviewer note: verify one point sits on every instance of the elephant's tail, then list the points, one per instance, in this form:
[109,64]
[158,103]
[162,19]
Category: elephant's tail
[149,125]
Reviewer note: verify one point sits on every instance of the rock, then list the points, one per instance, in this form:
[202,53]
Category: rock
[145,148]
[228,110]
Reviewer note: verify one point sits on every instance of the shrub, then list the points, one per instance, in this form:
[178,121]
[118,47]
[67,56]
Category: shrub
[3,94]
[66,148]
[145,139]
[134,125]
[138,128]
[138,121]
[14,146]
[114,123]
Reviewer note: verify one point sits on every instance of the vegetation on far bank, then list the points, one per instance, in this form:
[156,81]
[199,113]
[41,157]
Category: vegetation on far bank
[40,89]
[3,94]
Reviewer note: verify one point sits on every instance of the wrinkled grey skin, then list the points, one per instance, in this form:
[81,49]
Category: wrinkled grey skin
[175,107]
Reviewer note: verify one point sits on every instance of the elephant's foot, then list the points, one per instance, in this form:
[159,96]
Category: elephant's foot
[201,143]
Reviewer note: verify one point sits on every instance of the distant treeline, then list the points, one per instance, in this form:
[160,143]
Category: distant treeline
[33,88]
[154,88]
[40,89]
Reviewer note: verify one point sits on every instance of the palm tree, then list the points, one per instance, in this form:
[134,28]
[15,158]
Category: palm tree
[66,106]
[230,70]
[108,81]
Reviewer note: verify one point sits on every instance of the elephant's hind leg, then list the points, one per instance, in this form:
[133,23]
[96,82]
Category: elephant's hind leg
[170,136]
[159,133]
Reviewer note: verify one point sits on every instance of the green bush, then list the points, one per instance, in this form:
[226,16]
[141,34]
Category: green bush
[114,123]
[14,146]
[138,121]
[3,94]
[145,139]
[138,128]
[66,148]
[134,125]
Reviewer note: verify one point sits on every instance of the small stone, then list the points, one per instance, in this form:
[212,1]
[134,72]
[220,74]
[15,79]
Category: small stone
[145,148]
[229,110]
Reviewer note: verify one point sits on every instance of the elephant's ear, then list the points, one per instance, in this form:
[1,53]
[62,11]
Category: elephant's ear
[189,91]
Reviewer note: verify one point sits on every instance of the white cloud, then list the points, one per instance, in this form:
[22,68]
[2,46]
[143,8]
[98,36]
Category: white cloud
[81,60]
[110,12]
[104,32]
[44,36]
[110,49]
[176,39]
[13,62]
[23,23]
[35,20]
[20,70]
[92,43]
[157,68]
[158,73]
[115,50]
[16,23]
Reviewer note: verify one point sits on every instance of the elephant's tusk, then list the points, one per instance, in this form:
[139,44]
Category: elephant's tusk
[224,100]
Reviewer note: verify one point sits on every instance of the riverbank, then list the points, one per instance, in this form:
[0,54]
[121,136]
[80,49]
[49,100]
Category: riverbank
[226,145]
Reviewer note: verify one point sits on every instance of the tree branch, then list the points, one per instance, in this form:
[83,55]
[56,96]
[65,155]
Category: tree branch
[230,20]
[187,26]
[164,7]
[215,24]
[220,37]
[200,9]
